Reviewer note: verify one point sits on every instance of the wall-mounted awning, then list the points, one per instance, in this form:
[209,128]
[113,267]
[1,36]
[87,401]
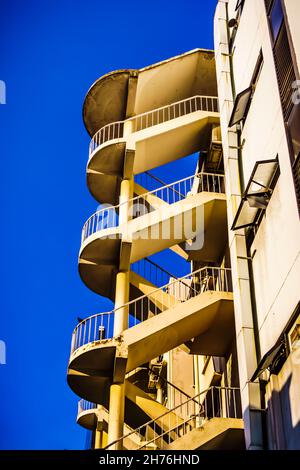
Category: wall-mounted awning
[257,194]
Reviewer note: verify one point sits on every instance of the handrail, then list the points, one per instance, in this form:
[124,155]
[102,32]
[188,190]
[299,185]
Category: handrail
[99,327]
[151,118]
[146,267]
[149,177]
[218,402]
[85,405]
[108,216]
[149,369]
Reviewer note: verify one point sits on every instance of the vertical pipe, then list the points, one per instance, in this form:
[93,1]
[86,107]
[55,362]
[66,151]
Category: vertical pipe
[197,387]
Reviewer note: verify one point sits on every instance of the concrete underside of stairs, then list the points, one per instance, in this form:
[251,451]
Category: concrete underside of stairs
[99,256]
[92,366]
[215,434]
[151,147]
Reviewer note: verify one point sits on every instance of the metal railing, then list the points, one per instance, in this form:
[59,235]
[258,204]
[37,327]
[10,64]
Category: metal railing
[84,405]
[215,402]
[109,132]
[99,327]
[152,118]
[149,181]
[172,394]
[108,217]
[151,271]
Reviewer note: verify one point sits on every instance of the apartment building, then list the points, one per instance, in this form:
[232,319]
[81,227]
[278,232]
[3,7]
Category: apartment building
[209,359]
[257,62]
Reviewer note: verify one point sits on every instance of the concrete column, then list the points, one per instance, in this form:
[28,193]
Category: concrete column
[121,297]
[116,414]
[117,390]
[99,435]
[125,194]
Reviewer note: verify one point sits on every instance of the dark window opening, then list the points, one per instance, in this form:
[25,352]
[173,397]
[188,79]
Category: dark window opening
[257,69]
[285,72]
[268,4]
[234,22]
[240,5]
[294,130]
[276,18]
[296,175]
[286,78]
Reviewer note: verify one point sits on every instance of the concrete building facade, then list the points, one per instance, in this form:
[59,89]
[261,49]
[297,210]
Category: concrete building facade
[257,69]
[208,360]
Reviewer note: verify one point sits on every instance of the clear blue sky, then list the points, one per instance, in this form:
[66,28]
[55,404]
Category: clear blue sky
[51,52]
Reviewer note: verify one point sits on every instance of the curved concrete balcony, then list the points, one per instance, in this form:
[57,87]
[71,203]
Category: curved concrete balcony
[124,93]
[87,414]
[193,208]
[148,140]
[199,305]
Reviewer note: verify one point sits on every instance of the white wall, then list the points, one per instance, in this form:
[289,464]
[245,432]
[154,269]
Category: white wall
[276,263]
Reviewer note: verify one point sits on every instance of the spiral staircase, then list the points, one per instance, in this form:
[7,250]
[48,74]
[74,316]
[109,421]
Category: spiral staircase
[155,311]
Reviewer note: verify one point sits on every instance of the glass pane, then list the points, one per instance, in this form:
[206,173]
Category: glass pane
[245,217]
[276,18]
[240,106]
[263,175]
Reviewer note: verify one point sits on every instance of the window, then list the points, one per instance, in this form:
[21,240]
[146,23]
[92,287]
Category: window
[286,78]
[240,5]
[268,4]
[296,174]
[294,130]
[241,106]
[285,71]
[294,336]
[272,360]
[276,18]
[257,194]
[243,99]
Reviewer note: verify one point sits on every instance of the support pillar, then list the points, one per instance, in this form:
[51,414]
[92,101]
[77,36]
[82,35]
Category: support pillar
[116,415]
[117,390]
[99,435]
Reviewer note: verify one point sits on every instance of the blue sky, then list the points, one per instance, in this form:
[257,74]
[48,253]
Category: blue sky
[51,52]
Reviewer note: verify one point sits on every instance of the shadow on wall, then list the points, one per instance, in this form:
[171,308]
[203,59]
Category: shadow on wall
[283,433]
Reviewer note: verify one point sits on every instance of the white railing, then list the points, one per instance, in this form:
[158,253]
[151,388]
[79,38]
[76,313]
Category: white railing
[108,217]
[99,327]
[111,131]
[152,118]
[215,402]
[84,405]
